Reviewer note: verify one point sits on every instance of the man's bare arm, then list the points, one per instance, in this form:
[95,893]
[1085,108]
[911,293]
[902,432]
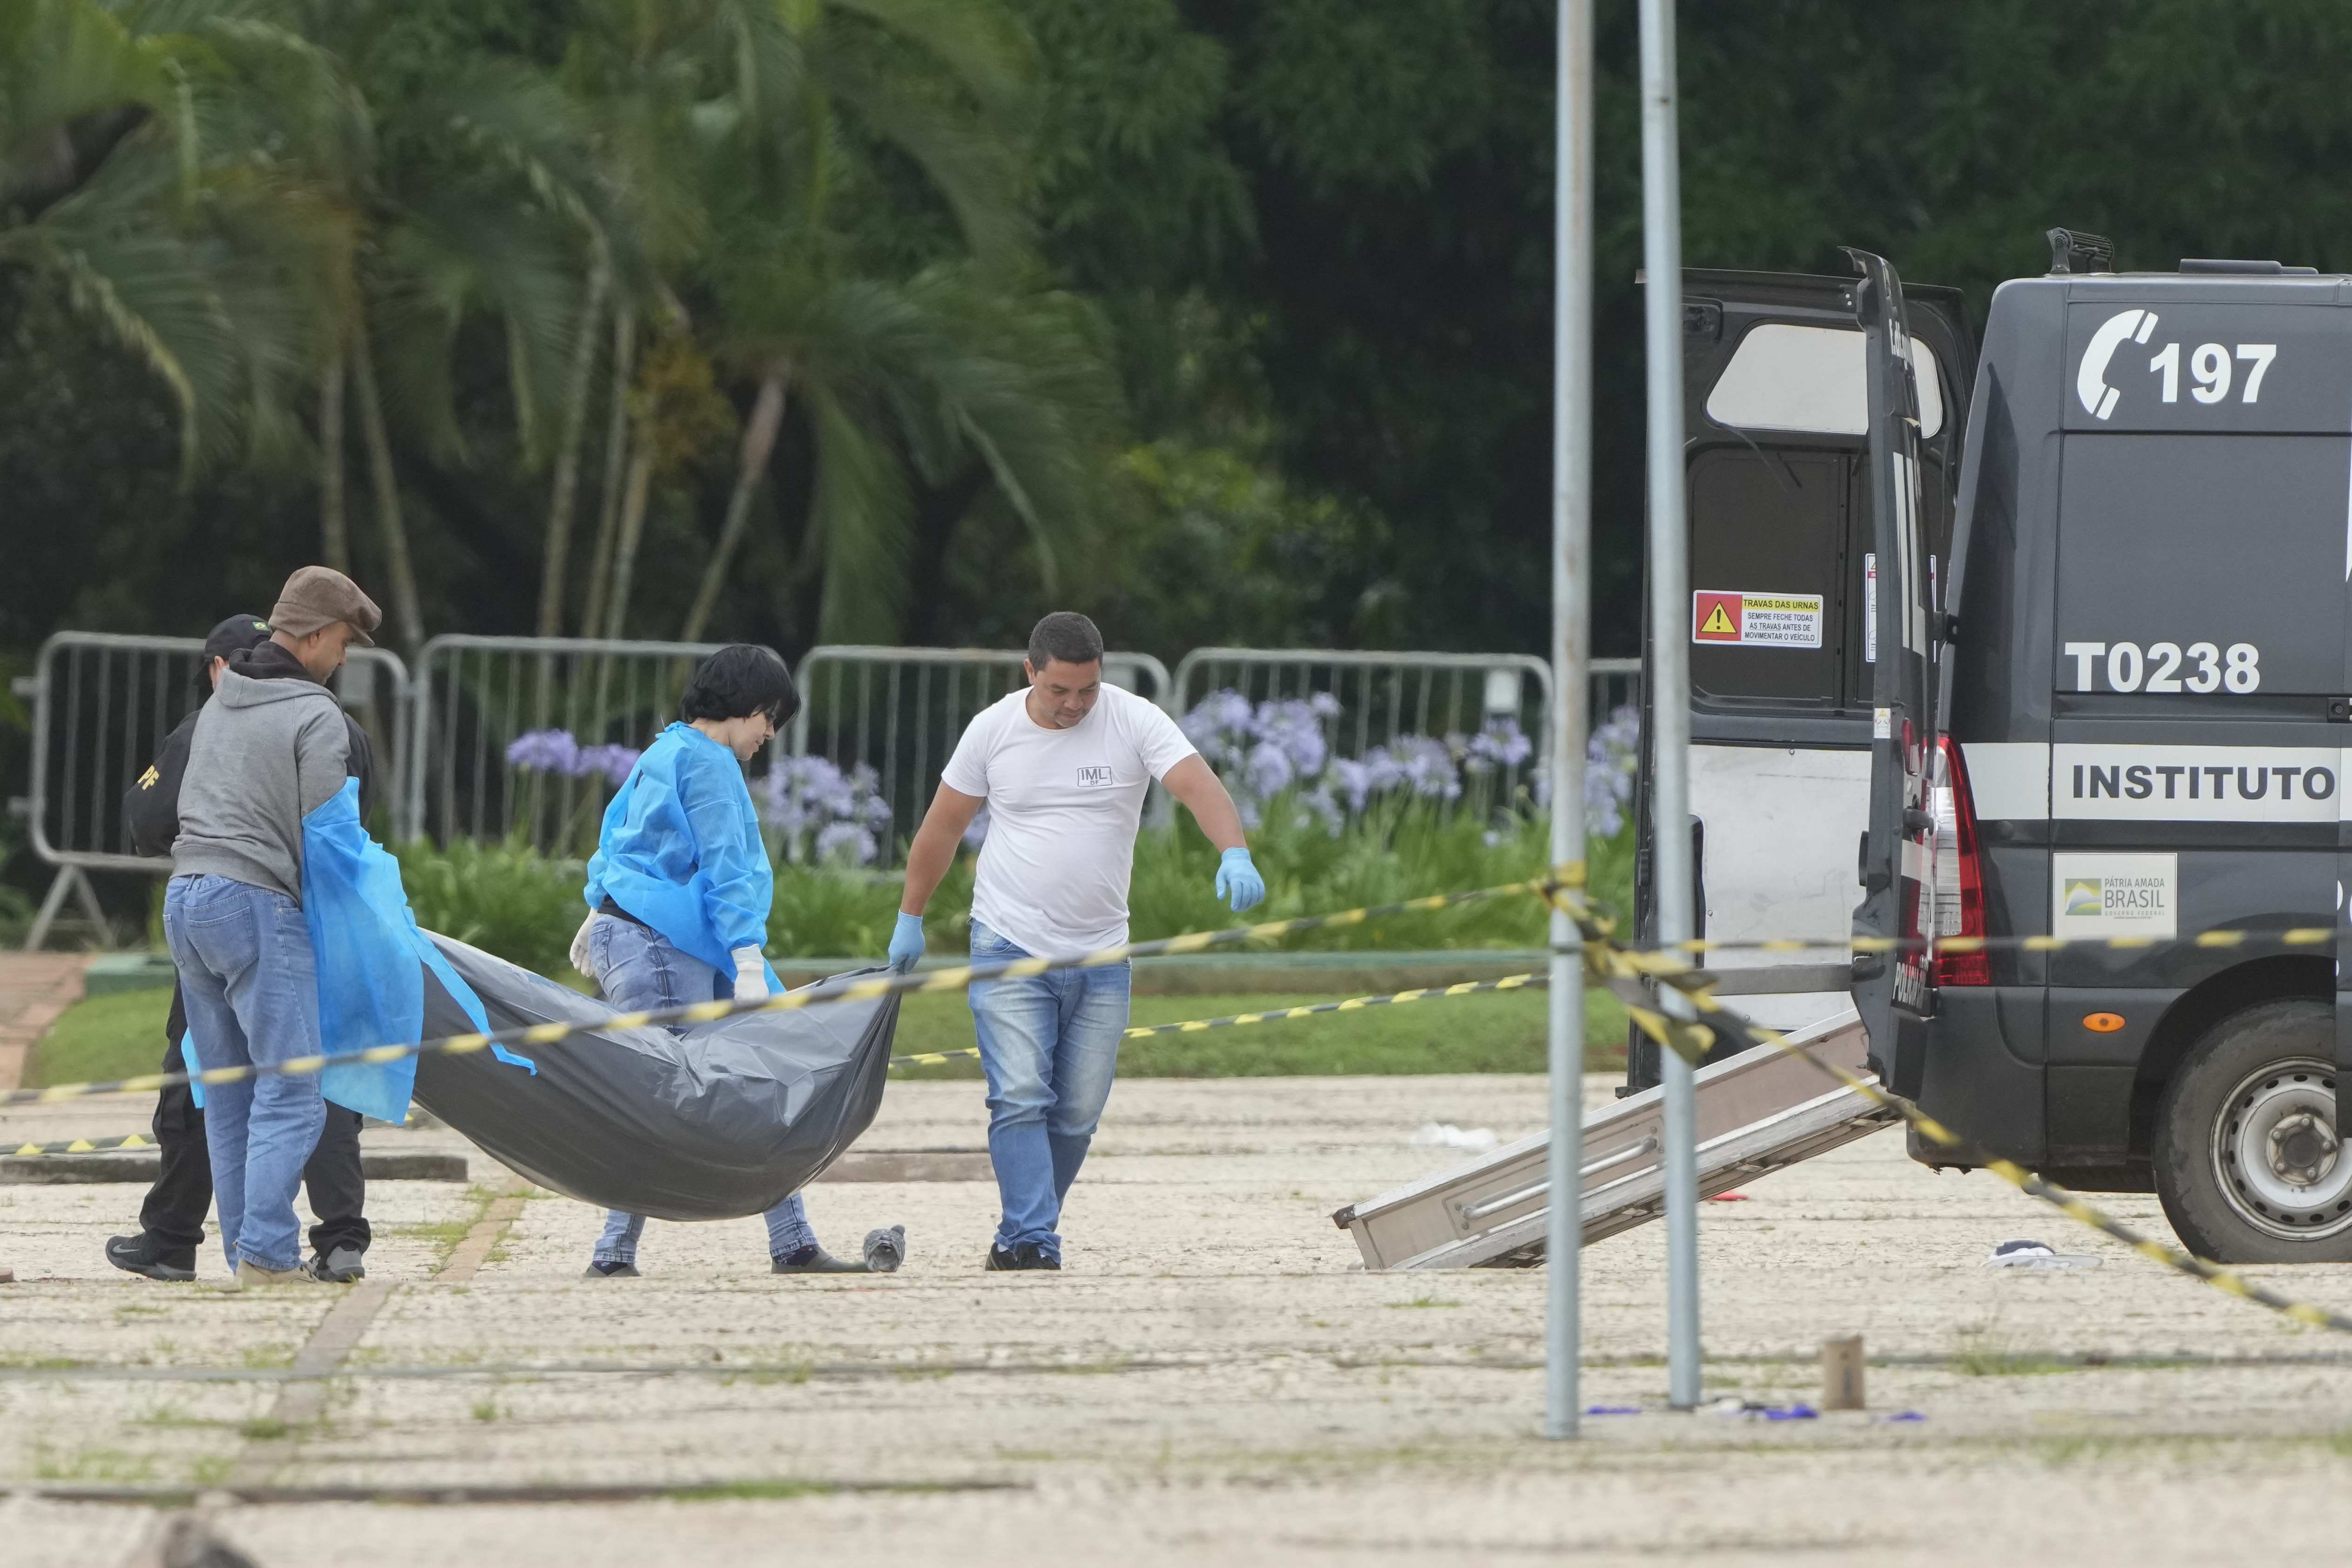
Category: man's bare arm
[1195,782]
[934,849]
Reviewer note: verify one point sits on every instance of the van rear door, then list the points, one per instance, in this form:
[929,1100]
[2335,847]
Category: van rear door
[1897,852]
[1783,545]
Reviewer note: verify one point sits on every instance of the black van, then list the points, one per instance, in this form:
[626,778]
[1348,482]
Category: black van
[2075,666]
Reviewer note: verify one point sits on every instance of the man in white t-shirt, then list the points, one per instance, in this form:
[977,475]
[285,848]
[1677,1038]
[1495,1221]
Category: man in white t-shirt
[1063,766]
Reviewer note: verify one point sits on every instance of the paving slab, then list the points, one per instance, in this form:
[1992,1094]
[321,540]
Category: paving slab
[1212,1379]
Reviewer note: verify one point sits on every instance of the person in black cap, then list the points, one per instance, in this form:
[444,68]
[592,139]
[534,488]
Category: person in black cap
[171,1220]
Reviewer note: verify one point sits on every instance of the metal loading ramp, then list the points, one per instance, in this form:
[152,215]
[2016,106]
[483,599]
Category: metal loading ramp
[1759,1111]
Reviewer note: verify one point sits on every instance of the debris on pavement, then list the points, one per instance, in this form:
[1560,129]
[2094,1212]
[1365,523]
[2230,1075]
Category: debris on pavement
[1445,1135]
[2026,1254]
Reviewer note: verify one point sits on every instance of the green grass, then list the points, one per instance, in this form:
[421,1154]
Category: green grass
[118,1036]
[102,1038]
[1488,1032]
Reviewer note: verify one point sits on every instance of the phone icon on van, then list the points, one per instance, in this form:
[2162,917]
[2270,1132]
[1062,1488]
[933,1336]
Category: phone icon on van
[2090,381]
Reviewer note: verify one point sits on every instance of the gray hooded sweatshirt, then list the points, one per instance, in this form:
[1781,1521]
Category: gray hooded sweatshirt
[266,753]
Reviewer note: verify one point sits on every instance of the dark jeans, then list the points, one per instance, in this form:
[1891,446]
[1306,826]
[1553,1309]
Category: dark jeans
[173,1215]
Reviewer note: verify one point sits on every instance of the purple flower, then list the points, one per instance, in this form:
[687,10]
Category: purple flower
[614,762]
[1428,767]
[544,751]
[1296,728]
[1219,727]
[1352,778]
[1500,744]
[846,843]
[1612,757]
[829,813]
[1269,768]
[555,751]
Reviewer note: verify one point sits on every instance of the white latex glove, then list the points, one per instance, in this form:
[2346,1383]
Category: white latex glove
[580,958]
[750,976]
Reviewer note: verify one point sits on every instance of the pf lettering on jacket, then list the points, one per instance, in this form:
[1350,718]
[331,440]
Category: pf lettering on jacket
[2196,784]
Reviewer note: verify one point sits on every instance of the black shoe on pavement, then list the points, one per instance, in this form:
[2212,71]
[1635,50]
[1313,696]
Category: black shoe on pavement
[1021,1255]
[133,1254]
[813,1260]
[341,1266]
[613,1269]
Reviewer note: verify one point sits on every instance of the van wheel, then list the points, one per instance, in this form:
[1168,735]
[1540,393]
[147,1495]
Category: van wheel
[2247,1160]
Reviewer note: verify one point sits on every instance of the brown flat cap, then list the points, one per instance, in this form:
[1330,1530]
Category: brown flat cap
[319,596]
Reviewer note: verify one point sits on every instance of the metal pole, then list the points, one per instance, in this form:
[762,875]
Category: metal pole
[1571,535]
[1662,247]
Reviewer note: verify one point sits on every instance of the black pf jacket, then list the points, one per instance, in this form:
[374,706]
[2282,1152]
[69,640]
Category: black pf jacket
[151,807]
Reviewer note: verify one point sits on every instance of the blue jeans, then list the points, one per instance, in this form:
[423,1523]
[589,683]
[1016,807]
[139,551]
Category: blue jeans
[1049,1044]
[250,982]
[637,968]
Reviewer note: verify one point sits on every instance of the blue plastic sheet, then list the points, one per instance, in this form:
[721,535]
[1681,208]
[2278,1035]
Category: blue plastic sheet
[371,960]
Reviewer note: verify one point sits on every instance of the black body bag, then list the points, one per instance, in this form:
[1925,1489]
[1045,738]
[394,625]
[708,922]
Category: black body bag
[725,1121]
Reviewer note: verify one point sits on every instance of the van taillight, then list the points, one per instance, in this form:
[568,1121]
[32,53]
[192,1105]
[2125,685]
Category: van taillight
[1960,878]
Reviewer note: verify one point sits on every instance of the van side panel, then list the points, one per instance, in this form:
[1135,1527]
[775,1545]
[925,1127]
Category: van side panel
[2204,509]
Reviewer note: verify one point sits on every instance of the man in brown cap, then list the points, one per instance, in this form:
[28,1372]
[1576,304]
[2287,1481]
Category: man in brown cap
[172,1219]
[315,602]
[269,749]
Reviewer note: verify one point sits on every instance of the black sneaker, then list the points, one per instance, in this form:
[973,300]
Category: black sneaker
[341,1266]
[813,1259]
[135,1255]
[614,1268]
[1021,1255]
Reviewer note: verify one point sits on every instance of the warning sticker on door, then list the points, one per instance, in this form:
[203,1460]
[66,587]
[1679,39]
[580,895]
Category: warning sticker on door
[1757,620]
[2114,895]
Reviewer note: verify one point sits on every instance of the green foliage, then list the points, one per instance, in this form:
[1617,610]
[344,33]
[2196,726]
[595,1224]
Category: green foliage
[507,899]
[824,911]
[1401,848]
[101,1038]
[504,898]
[1231,555]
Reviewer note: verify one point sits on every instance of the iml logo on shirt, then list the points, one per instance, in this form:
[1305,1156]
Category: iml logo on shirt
[1093,778]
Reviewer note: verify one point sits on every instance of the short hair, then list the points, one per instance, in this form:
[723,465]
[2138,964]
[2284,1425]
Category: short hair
[738,681]
[1064,634]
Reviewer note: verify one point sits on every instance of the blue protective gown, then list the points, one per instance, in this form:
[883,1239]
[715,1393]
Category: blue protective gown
[371,960]
[680,849]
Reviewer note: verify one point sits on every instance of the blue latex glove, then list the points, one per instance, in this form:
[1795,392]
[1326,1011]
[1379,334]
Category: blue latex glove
[907,942]
[1238,882]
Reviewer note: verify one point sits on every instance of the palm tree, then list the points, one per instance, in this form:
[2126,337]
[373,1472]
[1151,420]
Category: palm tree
[137,180]
[969,368]
[470,195]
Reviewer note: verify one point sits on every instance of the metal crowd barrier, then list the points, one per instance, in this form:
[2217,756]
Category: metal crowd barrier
[1383,696]
[899,711]
[474,695]
[1614,683]
[102,705]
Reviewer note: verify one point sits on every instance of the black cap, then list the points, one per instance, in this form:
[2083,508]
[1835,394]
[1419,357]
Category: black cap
[233,635]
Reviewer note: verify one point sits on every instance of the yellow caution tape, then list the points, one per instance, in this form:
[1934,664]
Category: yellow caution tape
[1624,971]
[1193,1025]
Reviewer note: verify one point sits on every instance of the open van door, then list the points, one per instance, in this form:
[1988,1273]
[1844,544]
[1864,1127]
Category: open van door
[1783,541]
[1900,641]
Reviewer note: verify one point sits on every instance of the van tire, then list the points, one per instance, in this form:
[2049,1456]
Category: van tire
[2254,1096]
